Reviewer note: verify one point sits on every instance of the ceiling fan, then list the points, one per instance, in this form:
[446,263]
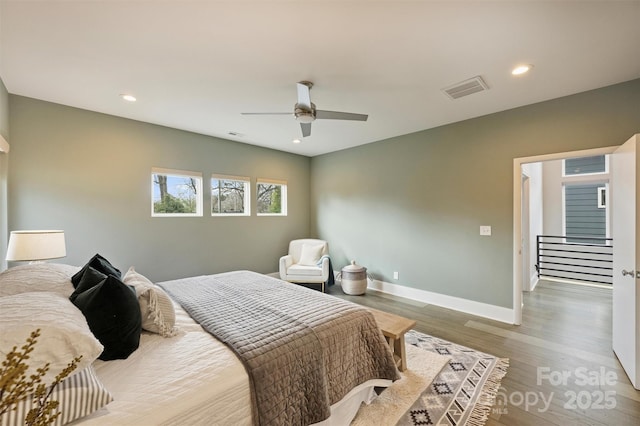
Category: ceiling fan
[305,111]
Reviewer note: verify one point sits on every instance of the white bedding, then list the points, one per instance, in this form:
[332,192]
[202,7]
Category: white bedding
[188,379]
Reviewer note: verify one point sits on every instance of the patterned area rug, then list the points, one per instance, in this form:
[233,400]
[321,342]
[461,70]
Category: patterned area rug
[464,390]
[387,408]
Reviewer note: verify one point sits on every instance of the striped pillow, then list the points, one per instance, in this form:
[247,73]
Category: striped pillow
[78,396]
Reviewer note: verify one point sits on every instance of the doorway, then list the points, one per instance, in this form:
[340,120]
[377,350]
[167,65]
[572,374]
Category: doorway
[521,251]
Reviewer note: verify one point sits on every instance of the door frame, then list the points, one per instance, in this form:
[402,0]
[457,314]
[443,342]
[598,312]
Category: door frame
[526,231]
[517,214]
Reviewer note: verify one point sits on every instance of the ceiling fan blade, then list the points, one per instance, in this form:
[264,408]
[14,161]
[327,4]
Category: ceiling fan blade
[304,97]
[266,113]
[335,115]
[306,129]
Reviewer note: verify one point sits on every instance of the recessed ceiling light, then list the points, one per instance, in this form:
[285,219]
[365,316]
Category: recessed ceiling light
[128,98]
[296,141]
[521,69]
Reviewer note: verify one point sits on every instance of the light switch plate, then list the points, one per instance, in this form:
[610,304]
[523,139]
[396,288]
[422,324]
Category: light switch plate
[485,230]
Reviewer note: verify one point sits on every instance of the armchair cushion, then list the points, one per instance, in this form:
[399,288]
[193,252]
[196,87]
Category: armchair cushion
[310,254]
[304,270]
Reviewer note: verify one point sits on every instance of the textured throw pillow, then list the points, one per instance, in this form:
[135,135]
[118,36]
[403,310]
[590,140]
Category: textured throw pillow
[98,263]
[112,311]
[53,277]
[156,307]
[310,254]
[78,396]
[64,333]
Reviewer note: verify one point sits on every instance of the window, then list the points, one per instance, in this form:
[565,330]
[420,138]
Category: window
[271,197]
[176,193]
[585,165]
[585,197]
[230,196]
[602,197]
[583,215]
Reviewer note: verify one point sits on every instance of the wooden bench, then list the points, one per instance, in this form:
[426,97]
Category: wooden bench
[393,328]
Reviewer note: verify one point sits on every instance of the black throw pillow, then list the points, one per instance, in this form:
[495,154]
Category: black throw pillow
[90,278]
[98,263]
[113,314]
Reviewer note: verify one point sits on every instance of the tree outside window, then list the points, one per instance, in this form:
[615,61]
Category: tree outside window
[230,196]
[272,198]
[176,193]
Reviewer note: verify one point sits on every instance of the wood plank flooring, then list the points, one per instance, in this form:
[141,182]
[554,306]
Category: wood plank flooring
[566,330]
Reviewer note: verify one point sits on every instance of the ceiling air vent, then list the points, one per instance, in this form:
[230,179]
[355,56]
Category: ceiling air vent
[467,87]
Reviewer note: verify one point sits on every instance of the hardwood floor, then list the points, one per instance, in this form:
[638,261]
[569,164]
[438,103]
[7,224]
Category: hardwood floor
[562,370]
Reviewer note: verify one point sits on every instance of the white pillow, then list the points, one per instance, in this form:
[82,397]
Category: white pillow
[64,333]
[55,277]
[310,254]
[156,307]
[78,396]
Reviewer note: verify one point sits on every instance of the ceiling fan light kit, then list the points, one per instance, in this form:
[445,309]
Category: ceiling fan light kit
[305,111]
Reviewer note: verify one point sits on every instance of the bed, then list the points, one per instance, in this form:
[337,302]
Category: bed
[181,374]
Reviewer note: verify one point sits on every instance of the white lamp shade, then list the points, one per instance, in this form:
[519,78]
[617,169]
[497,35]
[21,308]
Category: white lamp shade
[36,245]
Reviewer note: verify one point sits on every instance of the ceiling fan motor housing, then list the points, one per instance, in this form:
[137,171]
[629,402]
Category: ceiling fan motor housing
[305,115]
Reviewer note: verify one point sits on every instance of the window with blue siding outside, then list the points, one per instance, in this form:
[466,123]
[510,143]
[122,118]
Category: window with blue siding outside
[585,165]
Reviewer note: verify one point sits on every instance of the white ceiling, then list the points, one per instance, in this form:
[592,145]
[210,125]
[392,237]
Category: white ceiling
[197,65]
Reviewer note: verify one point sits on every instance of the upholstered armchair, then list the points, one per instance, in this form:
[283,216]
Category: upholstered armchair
[307,262]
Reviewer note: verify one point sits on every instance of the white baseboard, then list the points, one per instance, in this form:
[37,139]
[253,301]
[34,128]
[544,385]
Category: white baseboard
[485,310]
[480,309]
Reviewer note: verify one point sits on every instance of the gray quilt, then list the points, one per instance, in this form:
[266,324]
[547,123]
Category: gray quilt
[303,350]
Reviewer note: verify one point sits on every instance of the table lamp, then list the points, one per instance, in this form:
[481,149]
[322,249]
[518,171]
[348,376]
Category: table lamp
[36,246]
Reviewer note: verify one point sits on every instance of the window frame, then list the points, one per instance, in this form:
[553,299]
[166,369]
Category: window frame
[283,196]
[247,194]
[602,197]
[181,174]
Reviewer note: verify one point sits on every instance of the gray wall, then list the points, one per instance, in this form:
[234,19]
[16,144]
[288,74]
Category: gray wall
[4,111]
[90,174]
[414,203]
[4,165]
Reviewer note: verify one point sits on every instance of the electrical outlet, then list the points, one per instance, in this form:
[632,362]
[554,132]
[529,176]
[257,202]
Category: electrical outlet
[485,230]
[395,275]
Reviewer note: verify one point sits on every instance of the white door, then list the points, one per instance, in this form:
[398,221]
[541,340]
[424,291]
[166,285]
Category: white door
[626,296]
